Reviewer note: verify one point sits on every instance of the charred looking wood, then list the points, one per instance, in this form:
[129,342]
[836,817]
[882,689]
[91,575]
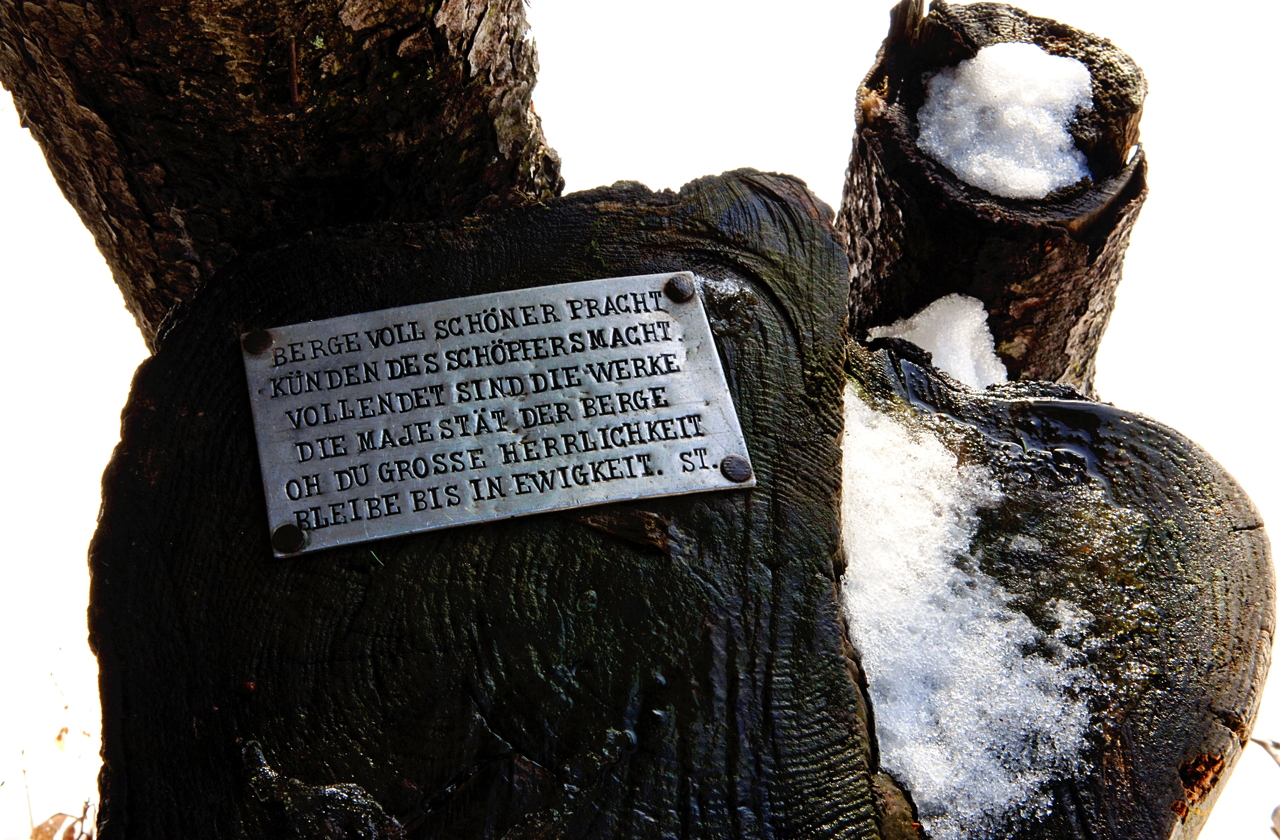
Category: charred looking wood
[1045,269]
[185,134]
[530,678]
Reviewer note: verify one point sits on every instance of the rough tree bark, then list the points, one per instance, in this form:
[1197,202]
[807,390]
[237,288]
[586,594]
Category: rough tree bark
[676,667]
[185,134]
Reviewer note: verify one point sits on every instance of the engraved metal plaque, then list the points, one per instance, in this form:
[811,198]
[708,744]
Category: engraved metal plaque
[488,407]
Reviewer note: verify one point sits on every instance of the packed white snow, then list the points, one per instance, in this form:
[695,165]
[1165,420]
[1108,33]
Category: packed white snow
[973,728]
[953,329]
[999,120]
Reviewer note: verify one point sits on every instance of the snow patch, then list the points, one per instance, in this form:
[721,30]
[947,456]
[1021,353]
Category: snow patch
[972,726]
[999,120]
[953,329]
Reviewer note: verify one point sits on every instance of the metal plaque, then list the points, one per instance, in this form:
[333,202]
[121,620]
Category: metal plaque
[488,407]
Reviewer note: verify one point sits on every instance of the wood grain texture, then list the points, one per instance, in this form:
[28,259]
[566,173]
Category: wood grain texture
[187,133]
[1046,270]
[551,676]
[1140,528]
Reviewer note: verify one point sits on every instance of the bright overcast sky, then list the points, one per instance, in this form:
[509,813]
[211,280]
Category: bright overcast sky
[662,92]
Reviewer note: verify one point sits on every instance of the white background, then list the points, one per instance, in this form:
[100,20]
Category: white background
[662,92]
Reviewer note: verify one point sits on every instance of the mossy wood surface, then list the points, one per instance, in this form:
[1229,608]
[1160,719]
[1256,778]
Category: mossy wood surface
[1046,270]
[1136,525]
[669,668]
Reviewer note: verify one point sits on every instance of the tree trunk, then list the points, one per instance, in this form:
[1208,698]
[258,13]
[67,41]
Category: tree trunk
[674,667]
[186,134]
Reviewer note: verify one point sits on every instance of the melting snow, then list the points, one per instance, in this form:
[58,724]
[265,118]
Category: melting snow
[999,120]
[972,727]
[954,330]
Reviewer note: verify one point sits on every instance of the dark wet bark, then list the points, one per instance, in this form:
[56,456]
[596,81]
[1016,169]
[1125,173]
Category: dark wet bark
[1046,269]
[187,133]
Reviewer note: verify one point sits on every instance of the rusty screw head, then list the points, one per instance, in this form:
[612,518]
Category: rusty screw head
[680,288]
[288,539]
[735,468]
[257,342]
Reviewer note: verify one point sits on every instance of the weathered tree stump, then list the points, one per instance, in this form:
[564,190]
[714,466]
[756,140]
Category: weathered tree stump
[668,668]
[1046,269]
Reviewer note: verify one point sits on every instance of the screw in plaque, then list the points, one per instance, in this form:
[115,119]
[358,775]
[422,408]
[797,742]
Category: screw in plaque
[735,468]
[288,539]
[257,342]
[680,288]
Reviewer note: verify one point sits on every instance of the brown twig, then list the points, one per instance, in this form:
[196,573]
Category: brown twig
[1272,748]
[293,70]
